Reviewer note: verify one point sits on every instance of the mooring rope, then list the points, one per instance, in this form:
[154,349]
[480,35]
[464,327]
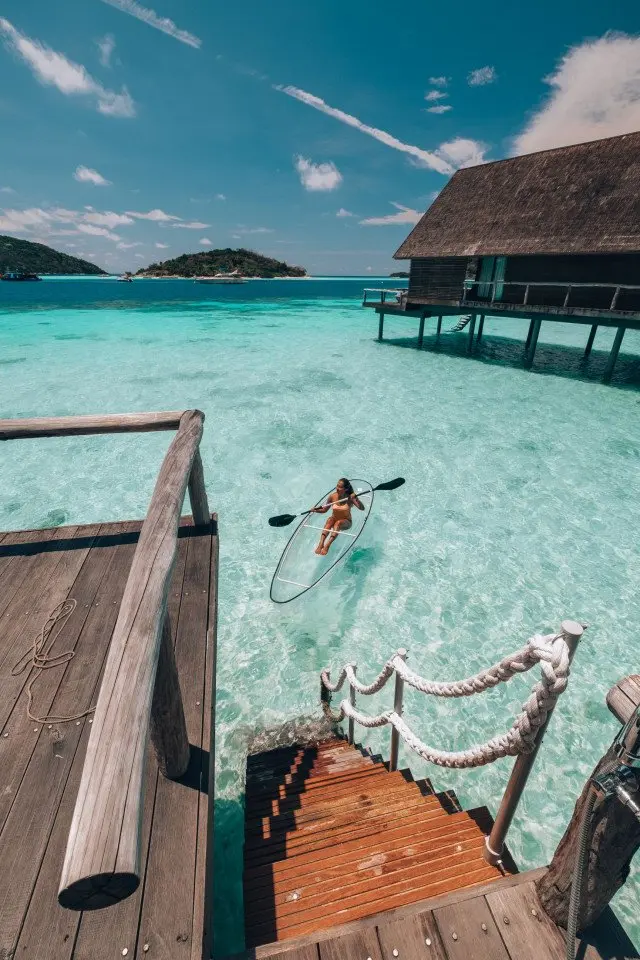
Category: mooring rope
[39,658]
[550,651]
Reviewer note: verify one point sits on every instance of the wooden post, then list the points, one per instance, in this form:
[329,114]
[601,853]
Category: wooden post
[421,331]
[397,708]
[537,323]
[472,327]
[494,845]
[613,356]
[380,325]
[480,329]
[592,336]
[352,701]
[168,727]
[527,342]
[439,327]
[615,837]
[198,493]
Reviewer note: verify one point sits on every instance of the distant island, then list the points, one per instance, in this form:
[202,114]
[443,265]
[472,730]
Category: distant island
[400,273]
[24,256]
[209,262]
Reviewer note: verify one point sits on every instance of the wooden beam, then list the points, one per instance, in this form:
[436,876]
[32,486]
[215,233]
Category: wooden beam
[380,325]
[472,327]
[101,865]
[592,336]
[527,342]
[198,493]
[624,697]
[613,356]
[81,426]
[480,328]
[439,327]
[537,323]
[421,330]
[168,727]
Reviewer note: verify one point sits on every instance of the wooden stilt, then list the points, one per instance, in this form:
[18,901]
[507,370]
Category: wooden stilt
[421,331]
[380,325]
[439,326]
[537,323]
[480,329]
[472,327]
[613,356]
[529,335]
[592,336]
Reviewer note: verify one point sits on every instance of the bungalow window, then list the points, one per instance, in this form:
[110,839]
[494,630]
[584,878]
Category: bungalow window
[492,271]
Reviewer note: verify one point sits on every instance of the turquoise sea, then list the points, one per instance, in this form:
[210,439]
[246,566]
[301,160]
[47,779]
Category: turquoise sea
[521,507]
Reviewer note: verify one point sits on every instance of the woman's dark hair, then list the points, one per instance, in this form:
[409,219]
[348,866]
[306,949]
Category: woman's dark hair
[348,489]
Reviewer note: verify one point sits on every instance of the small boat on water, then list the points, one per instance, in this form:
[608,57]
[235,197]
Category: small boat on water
[125,278]
[233,277]
[19,275]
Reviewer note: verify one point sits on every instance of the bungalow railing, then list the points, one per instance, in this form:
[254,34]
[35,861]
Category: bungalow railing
[385,293]
[140,692]
[529,285]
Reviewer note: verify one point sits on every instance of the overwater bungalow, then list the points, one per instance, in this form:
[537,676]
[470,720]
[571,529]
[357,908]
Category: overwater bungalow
[553,235]
[107,770]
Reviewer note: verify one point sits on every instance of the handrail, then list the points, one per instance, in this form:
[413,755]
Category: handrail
[101,863]
[397,292]
[527,284]
[553,652]
[27,428]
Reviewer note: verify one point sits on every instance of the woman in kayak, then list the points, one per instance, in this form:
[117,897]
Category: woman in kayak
[340,503]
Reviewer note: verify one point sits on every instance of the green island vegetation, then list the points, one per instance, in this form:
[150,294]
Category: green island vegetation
[209,262]
[400,273]
[24,256]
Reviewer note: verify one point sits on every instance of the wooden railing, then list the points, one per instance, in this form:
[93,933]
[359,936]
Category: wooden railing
[617,288]
[396,294]
[140,692]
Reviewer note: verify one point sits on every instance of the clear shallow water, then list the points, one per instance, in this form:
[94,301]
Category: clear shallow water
[521,506]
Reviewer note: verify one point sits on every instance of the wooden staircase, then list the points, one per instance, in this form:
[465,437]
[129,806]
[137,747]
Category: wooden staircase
[331,837]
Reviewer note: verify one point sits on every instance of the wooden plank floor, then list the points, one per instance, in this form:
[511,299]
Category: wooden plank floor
[41,763]
[331,836]
[501,920]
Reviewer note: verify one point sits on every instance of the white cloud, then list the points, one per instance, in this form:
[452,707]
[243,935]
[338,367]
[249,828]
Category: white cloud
[220,196]
[404,215]
[55,70]
[7,190]
[435,95]
[159,216]
[318,176]
[242,229]
[139,256]
[151,18]
[97,231]
[462,153]
[595,93]
[422,157]
[128,246]
[87,175]
[482,76]
[441,108]
[439,81]
[162,246]
[205,242]
[344,213]
[106,46]
[191,225]
[108,219]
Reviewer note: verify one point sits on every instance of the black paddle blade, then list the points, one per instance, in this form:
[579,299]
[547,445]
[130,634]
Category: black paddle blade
[282,521]
[390,484]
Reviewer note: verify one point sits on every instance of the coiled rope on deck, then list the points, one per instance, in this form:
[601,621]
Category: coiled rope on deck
[551,651]
[39,658]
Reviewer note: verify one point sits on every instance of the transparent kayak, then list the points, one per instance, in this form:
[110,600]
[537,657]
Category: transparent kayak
[300,568]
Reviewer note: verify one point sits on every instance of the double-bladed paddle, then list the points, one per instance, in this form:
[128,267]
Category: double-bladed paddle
[286,518]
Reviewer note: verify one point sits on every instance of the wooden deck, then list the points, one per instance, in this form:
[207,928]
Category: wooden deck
[331,836]
[41,763]
[501,920]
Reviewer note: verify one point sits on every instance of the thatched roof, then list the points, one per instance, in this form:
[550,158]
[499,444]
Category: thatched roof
[578,199]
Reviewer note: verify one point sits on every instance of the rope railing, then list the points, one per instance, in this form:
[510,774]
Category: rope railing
[553,652]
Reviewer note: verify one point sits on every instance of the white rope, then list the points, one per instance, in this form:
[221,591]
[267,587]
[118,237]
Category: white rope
[551,652]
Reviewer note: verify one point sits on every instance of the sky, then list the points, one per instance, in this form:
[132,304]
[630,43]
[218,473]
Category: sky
[314,133]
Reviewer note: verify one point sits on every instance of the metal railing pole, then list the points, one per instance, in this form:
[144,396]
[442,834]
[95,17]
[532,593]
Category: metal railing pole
[397,706]
[352,701]
[494,843]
